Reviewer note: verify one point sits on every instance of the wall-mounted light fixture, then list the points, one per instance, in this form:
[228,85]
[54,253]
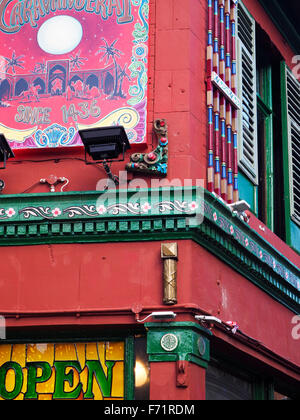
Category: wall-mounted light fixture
[105,145]
[159,316]
[5,154]
[5,151]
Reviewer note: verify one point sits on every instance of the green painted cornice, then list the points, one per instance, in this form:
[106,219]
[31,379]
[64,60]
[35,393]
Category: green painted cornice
[173,341]
[151,215]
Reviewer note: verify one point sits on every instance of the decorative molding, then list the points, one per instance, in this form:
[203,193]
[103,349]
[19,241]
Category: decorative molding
[178,341]
[93,211]
[155,162]
[169,342]
[33,219]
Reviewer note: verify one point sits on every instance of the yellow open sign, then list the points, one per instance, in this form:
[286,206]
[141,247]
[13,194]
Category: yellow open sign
[91,371]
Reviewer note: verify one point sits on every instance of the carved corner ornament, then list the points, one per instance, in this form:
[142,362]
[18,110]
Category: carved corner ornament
[155,162]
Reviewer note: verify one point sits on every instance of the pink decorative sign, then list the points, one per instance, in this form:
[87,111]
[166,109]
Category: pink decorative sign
[67,65]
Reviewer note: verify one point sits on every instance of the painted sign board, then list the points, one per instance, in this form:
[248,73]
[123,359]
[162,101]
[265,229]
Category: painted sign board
[82,371]
[222,86]
[66,65]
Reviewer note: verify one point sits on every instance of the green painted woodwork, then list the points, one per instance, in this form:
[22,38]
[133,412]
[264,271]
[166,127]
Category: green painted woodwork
[248,192]
[73,218]
[263,389]
[292,230]
[192,342]
[129,368]
[266,106]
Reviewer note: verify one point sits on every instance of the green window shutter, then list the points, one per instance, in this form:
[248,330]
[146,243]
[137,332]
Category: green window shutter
[292,89]
[246,68]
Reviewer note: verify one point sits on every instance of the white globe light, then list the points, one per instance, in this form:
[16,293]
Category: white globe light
[60,35]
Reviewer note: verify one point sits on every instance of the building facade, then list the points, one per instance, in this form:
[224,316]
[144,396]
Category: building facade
[173,274]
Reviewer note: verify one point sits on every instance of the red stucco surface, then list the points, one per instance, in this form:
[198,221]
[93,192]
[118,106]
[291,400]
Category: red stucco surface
[65,280]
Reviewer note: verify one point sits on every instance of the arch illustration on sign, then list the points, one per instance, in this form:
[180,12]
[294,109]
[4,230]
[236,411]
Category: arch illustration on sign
[81,62]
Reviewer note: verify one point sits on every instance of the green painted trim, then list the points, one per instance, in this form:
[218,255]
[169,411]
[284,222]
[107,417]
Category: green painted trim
[192,342]
[266,107]
[248,192]
[129,378]
[255,198]
[285,152]
[263,389]
[126,220]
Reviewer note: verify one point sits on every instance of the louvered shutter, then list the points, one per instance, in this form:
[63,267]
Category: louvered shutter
[293,116]
[246,65]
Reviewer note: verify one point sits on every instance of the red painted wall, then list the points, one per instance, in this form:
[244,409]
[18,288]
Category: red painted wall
[67,279]
[74,278]
[164,374]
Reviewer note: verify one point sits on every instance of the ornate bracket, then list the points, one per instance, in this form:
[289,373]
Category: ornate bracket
[178,342]
[182,373]
[155,162]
